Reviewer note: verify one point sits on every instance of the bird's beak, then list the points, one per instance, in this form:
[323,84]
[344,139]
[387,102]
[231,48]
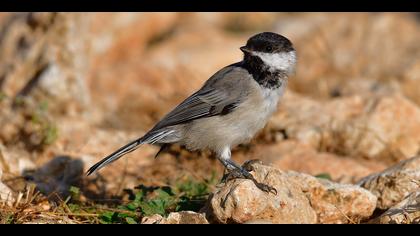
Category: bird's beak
[245,49]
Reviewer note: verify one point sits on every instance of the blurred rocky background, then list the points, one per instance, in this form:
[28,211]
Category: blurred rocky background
[76,86]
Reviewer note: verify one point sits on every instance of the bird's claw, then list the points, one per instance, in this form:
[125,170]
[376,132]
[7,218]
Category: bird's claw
[266,188]
[232,174]
[248,164]
[243,173]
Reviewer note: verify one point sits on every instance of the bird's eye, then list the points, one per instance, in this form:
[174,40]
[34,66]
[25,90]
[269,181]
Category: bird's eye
[268,48]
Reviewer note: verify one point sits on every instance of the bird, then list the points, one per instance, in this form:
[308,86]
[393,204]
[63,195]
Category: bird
[229,109]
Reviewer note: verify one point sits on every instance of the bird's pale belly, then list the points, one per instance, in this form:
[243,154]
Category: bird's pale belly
[232,129]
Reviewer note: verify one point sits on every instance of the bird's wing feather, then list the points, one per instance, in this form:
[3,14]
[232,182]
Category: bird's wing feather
[216,97]
[201,104]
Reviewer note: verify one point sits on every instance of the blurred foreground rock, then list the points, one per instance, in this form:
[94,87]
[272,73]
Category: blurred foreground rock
[395,183]
[405,212]
[182,217]
[300,199]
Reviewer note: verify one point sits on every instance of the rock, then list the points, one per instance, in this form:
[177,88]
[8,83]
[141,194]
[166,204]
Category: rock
[389,127]
[182,217]
[258,221]
[354,51]
[185,217]
[411,82]
[55,178]
[234,23]
[240,201]
[375,127]
[405,212]
[316,123]
[122,51]
[6,194]
[336,203]
[127,35]
[14,160]
[365,87]
[293,155]
[395,183]
[154,219]
[51,54]
[301,198]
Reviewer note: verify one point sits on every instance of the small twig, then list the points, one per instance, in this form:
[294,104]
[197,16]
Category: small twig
[348,218]
[74,214]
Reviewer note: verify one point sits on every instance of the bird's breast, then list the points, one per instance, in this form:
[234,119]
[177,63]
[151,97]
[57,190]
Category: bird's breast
[237,127]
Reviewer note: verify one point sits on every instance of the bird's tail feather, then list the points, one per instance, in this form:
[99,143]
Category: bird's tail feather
[151,137]
[115,155]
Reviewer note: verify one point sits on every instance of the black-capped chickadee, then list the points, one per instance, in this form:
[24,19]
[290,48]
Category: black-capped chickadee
[230,108]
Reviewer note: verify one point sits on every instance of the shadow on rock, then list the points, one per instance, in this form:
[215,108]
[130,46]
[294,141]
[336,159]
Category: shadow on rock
[55,178]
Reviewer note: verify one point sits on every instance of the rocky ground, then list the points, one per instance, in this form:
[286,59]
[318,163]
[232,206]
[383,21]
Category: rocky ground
[344,146]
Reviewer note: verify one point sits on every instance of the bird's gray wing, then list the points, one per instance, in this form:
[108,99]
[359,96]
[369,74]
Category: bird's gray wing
[221,94]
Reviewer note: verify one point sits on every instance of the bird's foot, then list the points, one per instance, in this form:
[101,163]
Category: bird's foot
[242,172]
[248,164]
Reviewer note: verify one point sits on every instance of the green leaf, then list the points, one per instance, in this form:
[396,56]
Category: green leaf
[130,220]
[74,192]
[131,206]
[323,176]
[139,196]
[10,219]
[106,217]
[156,206]
[74,207]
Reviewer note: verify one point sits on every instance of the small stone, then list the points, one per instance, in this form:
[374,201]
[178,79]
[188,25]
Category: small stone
[182,217]
[154,219]
[6,194]
[394,184]
[185,217]
[405,212]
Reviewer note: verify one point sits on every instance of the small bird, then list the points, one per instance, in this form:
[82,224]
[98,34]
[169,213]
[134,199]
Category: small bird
[229,109]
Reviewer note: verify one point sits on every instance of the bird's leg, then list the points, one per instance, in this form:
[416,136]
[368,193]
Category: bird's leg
[235,171]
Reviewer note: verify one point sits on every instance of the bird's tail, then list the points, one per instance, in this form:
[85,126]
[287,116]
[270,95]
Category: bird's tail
[151,137]
[115,155]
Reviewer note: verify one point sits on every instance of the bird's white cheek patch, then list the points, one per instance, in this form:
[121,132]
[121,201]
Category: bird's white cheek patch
[278,61]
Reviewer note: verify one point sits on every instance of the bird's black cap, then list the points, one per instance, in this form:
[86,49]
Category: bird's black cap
[268,42]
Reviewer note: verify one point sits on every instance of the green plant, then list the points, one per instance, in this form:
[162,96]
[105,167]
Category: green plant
[186,194]
[324,176]
[8,219]
[74,193]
